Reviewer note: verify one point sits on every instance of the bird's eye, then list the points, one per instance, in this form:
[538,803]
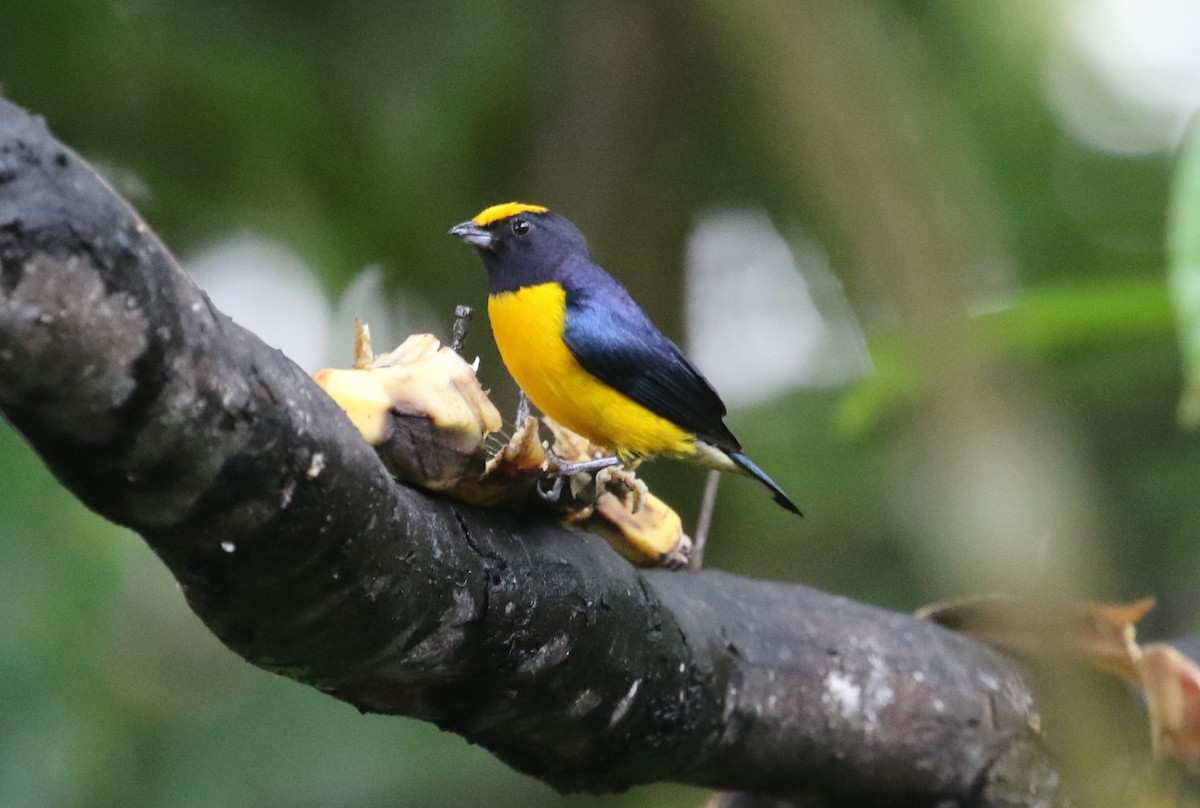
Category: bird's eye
[520,227]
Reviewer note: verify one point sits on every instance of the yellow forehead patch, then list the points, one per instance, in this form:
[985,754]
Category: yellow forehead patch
[502,211]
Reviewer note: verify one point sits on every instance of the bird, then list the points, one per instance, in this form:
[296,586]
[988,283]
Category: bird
[587,355]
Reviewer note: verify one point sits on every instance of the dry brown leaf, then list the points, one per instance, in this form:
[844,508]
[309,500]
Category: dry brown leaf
[1108,635]
[1101,635]
[1160,799]
[1171,682]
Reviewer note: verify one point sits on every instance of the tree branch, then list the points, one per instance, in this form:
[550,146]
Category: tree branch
[537,641]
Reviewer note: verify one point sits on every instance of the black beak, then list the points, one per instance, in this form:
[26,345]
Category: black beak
[473,234]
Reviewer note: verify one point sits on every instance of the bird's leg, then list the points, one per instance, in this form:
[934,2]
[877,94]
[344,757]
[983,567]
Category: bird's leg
[522,409]
[565,471]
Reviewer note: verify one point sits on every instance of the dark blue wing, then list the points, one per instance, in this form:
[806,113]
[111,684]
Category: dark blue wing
[614,340]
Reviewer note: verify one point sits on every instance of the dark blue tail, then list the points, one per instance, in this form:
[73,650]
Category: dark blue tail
[747,465]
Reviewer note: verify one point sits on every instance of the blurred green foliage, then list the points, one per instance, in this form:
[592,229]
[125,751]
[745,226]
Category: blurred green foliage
[1018,433]
[1183,240]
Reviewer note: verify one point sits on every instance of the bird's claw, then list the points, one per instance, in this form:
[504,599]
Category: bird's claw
[580,474]
[554,492]
[616,478]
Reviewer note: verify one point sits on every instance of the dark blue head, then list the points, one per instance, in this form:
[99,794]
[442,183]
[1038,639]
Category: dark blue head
[522,245]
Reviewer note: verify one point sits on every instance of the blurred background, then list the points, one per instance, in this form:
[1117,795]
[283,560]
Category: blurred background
[925,250]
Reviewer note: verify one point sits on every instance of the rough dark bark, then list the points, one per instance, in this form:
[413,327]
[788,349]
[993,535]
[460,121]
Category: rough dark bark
[536,641]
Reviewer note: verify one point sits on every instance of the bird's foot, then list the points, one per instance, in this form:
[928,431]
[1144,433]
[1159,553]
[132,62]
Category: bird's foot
[581,474]
[523,411]
[554,492]
[622,479]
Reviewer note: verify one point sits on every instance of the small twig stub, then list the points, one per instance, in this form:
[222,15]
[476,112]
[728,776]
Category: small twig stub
[462,324]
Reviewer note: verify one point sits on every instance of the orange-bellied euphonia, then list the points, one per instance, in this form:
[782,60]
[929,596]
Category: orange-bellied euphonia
[587,355]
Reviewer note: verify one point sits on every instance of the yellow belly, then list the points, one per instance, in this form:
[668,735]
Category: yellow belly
[528,325]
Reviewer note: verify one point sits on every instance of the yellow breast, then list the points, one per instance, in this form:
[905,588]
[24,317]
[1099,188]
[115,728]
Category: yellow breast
[528,325]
